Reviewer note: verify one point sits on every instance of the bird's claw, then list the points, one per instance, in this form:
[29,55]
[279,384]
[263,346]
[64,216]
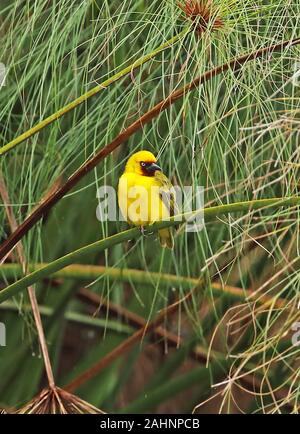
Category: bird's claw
[144,232]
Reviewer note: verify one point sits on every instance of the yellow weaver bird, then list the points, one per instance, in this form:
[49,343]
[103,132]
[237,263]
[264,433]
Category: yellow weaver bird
[145,194]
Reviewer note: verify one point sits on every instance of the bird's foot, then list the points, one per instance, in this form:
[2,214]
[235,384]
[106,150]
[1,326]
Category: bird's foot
[144,232]
[142,229]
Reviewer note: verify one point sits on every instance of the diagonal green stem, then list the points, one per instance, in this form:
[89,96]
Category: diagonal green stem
[98,246]
[94,91]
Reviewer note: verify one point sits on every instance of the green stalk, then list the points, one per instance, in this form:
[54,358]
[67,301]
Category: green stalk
[94,91]
[90,272]
[73,317]
[98,246]
[127,275]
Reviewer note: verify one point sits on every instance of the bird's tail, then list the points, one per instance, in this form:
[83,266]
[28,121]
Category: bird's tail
[166,238]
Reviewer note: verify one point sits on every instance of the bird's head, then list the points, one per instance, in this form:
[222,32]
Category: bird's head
[142,163]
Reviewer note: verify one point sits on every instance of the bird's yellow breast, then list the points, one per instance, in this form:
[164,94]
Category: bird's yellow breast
[139,199]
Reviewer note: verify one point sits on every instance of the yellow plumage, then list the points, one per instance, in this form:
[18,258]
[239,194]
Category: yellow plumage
[144,194]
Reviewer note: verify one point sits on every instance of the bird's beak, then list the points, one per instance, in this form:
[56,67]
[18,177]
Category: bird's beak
[153,167]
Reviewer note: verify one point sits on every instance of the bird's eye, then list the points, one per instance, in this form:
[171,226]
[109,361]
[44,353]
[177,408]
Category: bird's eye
[143,164]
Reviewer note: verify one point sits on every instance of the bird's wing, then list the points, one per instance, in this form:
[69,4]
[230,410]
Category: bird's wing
[167,193]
